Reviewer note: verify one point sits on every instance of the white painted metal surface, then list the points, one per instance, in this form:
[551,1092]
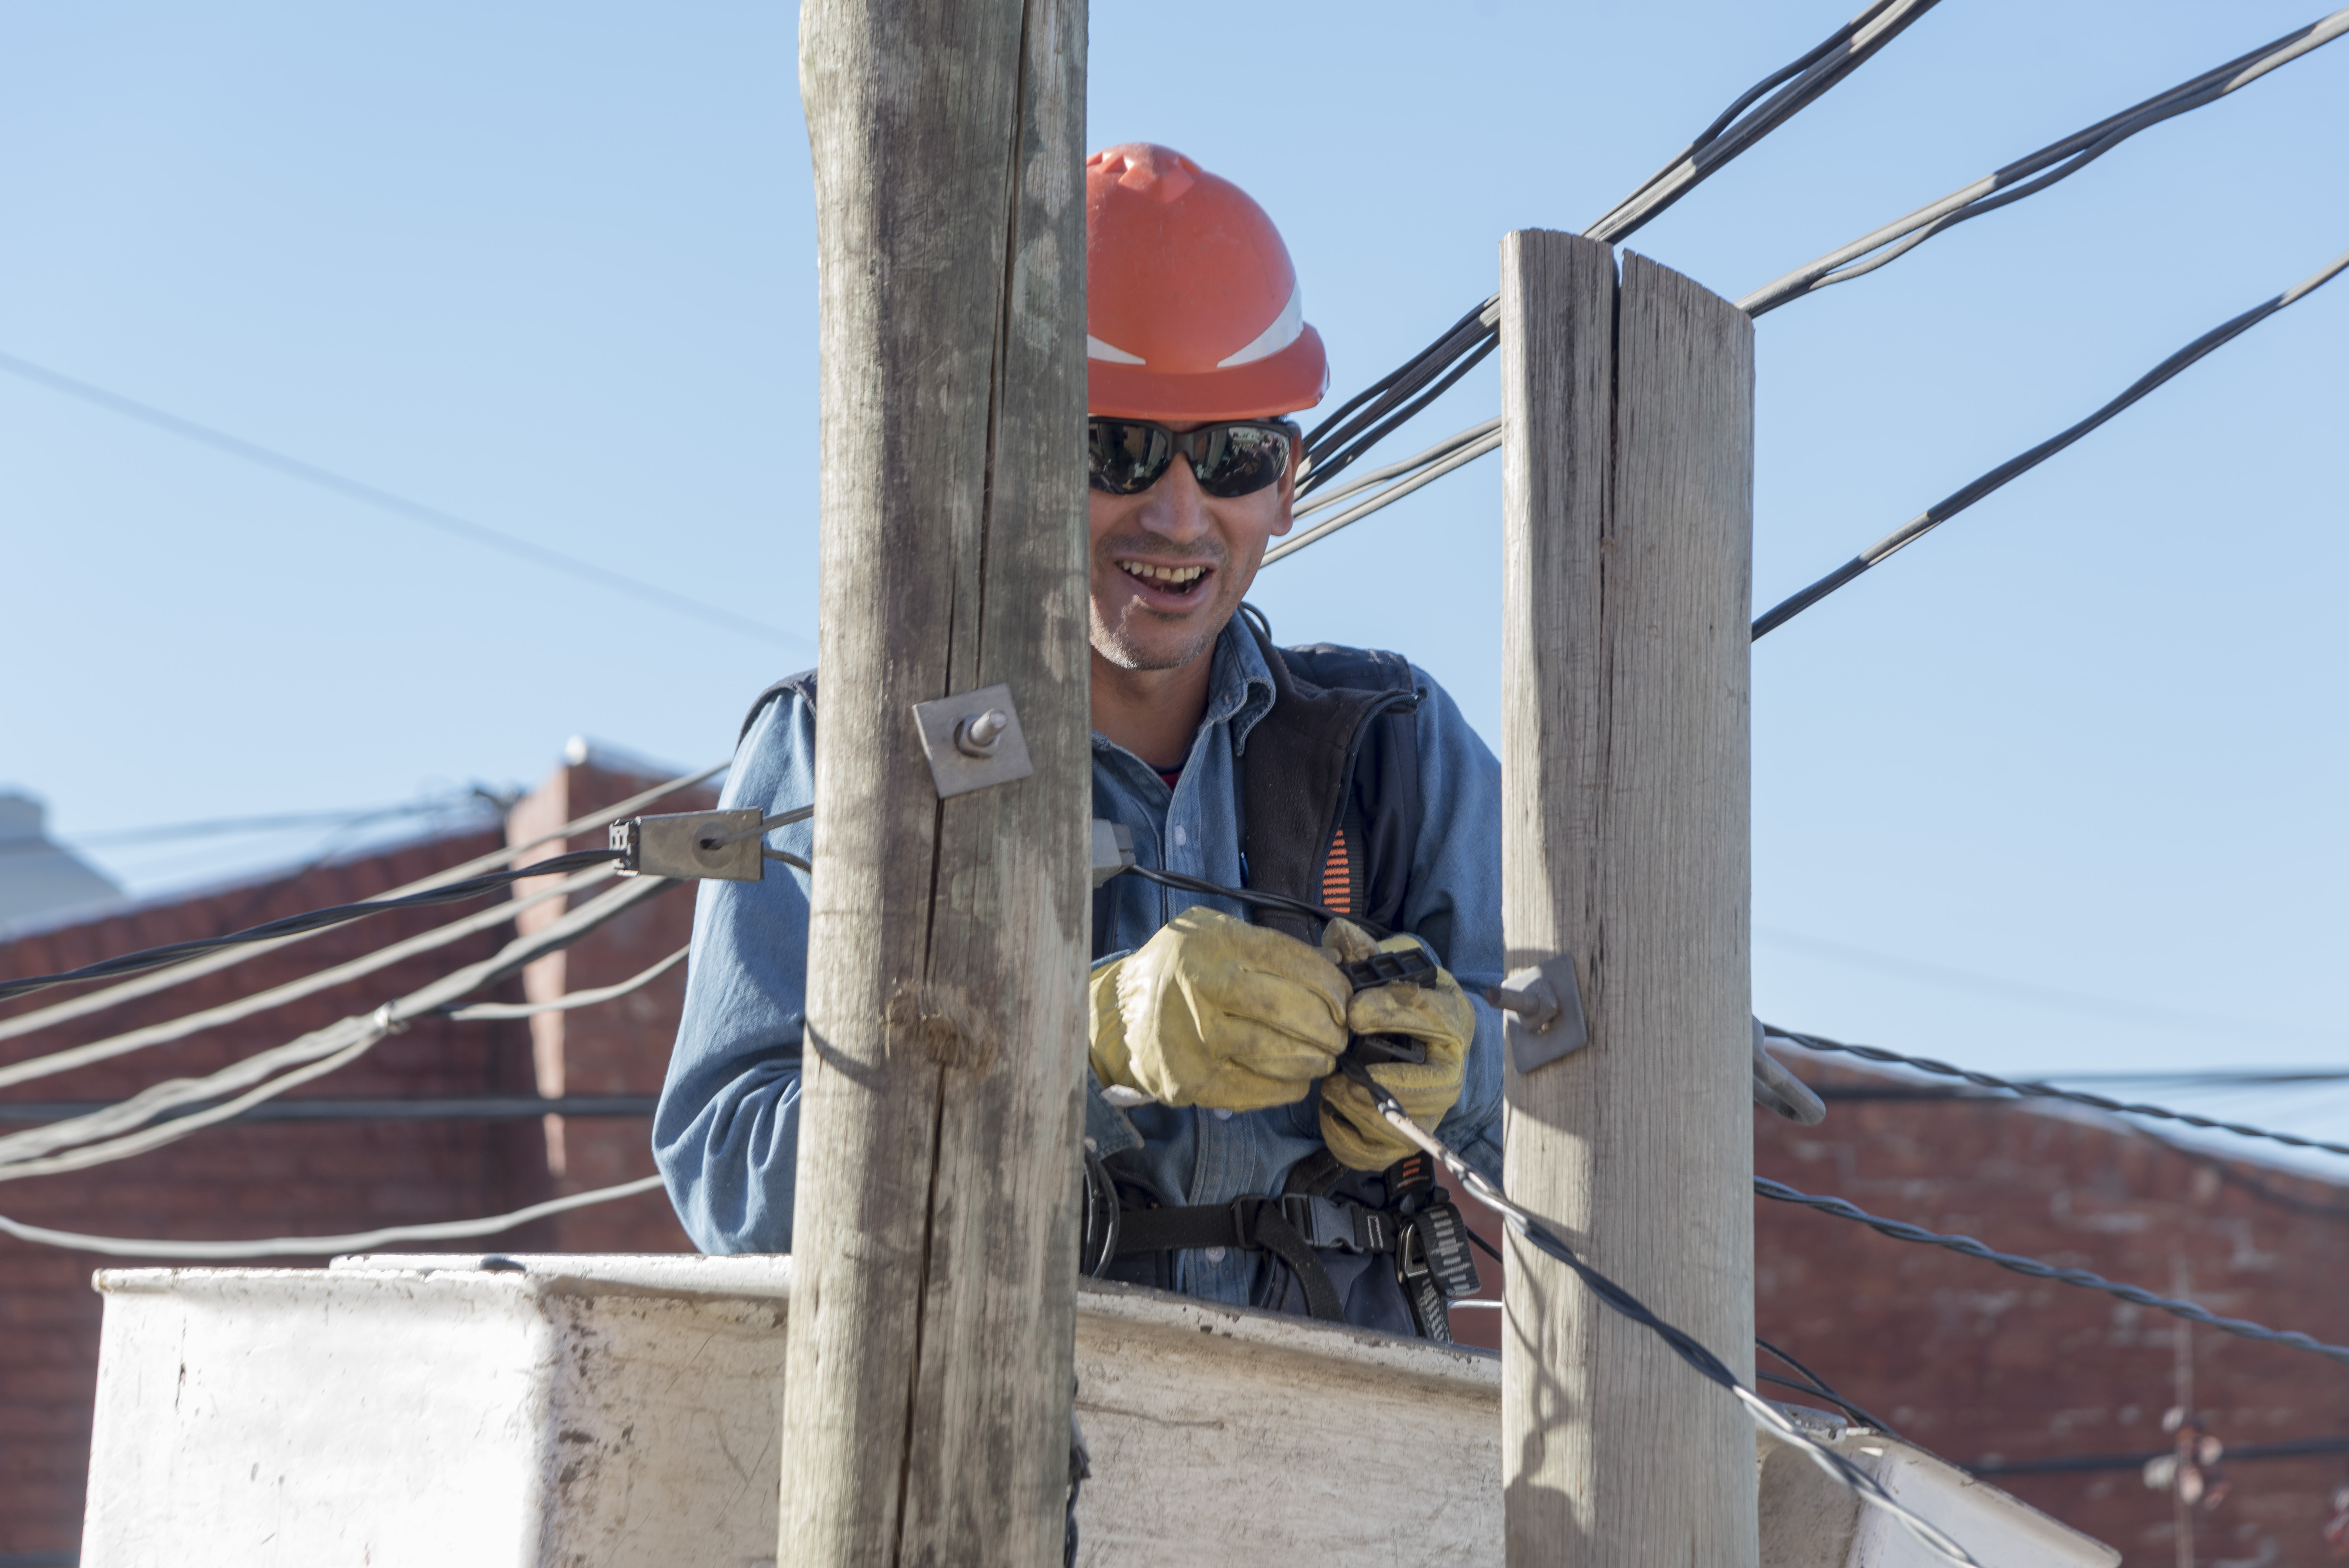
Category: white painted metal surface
[621,1412]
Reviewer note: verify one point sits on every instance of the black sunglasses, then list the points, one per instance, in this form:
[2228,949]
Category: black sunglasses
[1237,457]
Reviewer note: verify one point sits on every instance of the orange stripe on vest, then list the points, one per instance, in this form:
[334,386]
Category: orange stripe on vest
[1337,876]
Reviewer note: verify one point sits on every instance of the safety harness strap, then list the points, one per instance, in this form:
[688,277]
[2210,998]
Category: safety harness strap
[1289,1228]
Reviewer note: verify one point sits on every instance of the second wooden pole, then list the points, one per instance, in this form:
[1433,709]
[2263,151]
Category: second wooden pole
[1628,416]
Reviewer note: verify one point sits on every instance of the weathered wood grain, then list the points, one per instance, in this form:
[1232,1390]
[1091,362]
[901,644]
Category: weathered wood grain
[926,1413]
[1627,495]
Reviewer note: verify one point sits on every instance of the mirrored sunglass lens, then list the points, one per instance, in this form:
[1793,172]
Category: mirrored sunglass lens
[1241,459]
[1124,457]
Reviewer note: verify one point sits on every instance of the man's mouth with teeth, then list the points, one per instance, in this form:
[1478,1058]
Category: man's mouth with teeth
[1172,577]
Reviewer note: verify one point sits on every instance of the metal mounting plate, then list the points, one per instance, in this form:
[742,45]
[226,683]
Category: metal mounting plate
[954,770]
[1545,1019]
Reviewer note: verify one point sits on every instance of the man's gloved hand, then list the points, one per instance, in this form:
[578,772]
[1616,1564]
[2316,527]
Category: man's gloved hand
[1214,1011]
[1439,1013]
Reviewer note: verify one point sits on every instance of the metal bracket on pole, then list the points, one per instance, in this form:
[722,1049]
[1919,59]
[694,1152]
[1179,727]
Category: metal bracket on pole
[1775,1089]
[973,740]
[693,845]
[1544,1003]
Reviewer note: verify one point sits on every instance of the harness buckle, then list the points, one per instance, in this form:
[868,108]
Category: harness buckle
[1334,1223]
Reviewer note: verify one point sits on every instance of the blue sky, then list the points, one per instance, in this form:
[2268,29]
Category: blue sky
[2058,788]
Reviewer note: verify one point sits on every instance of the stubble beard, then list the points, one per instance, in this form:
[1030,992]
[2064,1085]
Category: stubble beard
[1115,641]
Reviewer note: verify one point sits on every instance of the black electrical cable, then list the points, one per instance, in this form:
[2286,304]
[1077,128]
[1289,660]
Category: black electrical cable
[2034,1268]
[2049,1091]
[1253,896]
[1334,443]
[1949,506]
[1684,1344]
[315,920]
[1800,85]
[1370,416]
[2035,171]
[1815,1384]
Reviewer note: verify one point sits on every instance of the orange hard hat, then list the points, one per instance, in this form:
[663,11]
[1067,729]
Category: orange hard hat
[1192,308]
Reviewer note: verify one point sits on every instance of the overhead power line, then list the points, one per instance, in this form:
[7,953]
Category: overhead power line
[219,827]
[2236,1453]
[313,1056]
[2036,172]
[2049,1091]
[179,974]
[1376,412]
[1391,483]
[398,506]
[1778,1191]
[321,1246]
[483,1012]
[2083,1003]
[1798,84]
[179,1029]
[313,920]
[1949,506]
[440,1107]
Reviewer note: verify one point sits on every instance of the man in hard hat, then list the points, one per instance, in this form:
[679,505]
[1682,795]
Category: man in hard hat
[1225,1158]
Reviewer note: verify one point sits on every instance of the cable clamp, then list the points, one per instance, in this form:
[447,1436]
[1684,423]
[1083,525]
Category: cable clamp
[725,846]
[1112,850]
[383,1023]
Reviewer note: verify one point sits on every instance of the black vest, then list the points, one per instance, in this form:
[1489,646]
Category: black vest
[1334,761]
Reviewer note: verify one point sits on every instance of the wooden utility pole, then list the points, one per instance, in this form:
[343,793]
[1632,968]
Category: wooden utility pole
[1628,416]
[925,1414]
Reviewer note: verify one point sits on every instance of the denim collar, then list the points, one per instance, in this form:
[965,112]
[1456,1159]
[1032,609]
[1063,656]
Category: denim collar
[1239,686]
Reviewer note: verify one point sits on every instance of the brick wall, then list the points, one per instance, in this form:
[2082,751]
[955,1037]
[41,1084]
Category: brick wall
[314,1178]
[1972,1362]
[1979,1364]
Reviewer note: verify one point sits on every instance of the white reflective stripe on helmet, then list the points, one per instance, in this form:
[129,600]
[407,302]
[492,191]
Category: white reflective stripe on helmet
[1286,328]
[1096,349]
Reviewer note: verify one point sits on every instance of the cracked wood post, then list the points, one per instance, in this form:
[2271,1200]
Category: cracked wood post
[1628,499]
[925,1412]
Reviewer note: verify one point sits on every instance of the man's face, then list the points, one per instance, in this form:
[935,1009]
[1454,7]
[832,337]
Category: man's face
[1170,566]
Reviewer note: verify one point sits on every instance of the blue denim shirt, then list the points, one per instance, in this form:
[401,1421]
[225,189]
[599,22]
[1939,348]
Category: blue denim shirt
[727,1131]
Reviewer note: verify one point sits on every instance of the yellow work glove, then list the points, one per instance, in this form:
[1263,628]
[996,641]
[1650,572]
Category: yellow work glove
[1214,1011]
[1439,1015]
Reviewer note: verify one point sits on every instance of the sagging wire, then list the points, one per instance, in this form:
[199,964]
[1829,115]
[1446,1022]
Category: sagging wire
[398,506]
[313,920]
[1744,123]
[2028,175]
[1398,480]
[1371,415]
[1684,1344]
[1813,1383]
[1376,412]
[310,1056]
[2049,1091]
[1941,512]
[194,969]
[2033,1268]
[188,1023]
[486,1012]
[321,1246]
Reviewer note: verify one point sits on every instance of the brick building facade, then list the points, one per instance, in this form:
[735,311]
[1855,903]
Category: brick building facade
[339,1174]
[1988,1369]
